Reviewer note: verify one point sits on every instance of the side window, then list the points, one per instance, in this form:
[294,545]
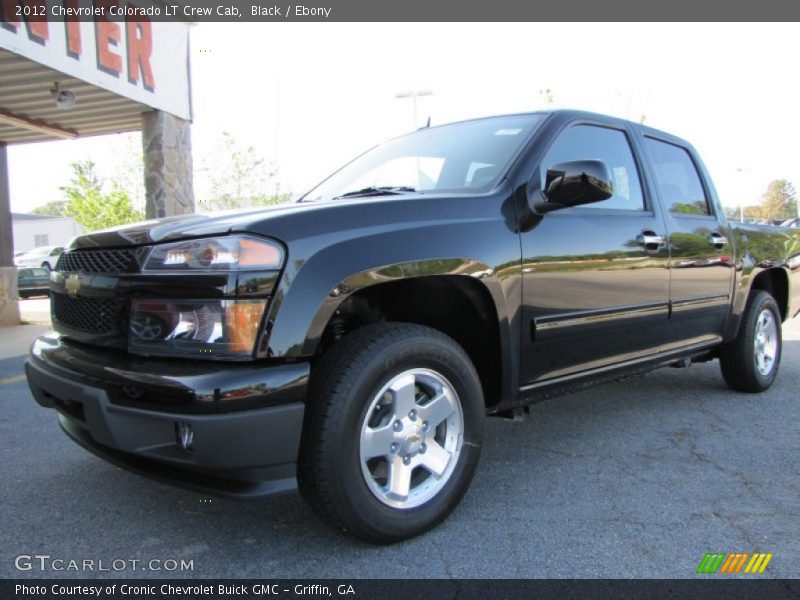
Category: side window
[678,181]
[590,142]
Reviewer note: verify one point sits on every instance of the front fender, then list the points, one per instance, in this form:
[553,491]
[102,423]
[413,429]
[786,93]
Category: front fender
[304,304]
[461,267]
[304,338]
[335,250]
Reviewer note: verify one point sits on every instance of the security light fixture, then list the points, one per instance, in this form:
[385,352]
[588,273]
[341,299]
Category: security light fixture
[65,99]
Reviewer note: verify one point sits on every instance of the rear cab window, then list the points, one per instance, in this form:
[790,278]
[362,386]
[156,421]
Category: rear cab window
[677,178]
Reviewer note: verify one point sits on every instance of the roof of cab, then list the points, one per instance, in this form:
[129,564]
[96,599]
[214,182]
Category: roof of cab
[646,130]
[574,114]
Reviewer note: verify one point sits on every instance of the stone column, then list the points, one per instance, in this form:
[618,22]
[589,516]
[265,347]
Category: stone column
[9,302]
[167,143]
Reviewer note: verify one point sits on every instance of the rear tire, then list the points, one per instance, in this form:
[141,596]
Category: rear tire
[750,362]
[393,431]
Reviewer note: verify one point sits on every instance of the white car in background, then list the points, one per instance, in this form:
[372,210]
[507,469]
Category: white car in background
[43,256]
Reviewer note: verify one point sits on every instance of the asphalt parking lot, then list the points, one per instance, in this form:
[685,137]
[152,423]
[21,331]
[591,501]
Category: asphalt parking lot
[633,479]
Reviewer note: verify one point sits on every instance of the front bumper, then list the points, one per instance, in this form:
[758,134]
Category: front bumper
[246,419]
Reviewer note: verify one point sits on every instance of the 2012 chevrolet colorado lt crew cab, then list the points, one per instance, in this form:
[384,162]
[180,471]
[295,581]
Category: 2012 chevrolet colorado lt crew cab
[353,342]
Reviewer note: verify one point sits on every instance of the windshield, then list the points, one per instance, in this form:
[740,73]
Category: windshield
[462,157]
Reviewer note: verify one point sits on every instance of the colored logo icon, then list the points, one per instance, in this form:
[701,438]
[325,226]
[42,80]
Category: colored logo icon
[735,562]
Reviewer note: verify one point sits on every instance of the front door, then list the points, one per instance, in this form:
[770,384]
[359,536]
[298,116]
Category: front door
[595,278]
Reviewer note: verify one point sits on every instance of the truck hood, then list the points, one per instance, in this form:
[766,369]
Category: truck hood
[186,226]
[286,222]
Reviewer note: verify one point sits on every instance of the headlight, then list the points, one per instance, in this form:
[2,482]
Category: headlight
[199,328]
[230,253]
[195,328]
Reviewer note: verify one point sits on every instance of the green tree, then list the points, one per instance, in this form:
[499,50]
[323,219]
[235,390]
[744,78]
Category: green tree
[90,205]
[240,178]
[546,94]
[54,208]
[128,168]
[778,202]
[698,207]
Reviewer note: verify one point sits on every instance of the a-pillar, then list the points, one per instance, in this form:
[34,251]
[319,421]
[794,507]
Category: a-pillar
[9,303]
[167,144]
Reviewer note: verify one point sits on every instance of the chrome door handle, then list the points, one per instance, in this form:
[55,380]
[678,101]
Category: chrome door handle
[717,240]
[650,240]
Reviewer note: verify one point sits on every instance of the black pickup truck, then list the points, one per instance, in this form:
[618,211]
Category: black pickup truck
[353,342]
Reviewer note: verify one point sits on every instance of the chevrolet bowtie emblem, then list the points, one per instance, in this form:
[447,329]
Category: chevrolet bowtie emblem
[73,284]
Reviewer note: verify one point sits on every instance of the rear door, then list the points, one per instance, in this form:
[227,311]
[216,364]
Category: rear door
[701,263]
[595,277]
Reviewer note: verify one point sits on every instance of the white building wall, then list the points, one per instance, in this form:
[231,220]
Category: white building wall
[57,231]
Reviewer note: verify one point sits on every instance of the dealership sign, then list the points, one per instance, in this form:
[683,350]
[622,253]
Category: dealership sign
[138,59]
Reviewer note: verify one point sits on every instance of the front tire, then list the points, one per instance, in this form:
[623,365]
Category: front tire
[750,362]
[393,431]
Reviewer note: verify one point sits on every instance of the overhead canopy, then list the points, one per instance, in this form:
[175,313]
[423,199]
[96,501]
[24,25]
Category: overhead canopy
[28,112]
[112,70]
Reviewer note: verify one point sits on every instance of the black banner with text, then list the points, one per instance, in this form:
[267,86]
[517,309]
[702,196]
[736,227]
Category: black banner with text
[441,589]
[15,11]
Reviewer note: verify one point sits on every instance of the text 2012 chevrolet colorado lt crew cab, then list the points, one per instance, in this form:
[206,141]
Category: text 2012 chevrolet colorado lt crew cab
[353,342]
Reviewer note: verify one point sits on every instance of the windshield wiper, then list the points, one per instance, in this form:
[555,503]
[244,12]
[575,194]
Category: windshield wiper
[377,191]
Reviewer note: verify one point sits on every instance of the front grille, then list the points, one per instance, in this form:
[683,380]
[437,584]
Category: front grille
[92,315]
[97,261]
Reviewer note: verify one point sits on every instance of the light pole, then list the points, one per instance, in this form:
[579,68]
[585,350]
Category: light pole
[741,202]
[414,94]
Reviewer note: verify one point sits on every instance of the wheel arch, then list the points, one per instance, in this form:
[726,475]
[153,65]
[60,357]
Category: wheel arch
[773,280]
[462,298]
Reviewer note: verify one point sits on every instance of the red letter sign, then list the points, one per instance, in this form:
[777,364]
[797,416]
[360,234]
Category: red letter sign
[140,48]
[107,33]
